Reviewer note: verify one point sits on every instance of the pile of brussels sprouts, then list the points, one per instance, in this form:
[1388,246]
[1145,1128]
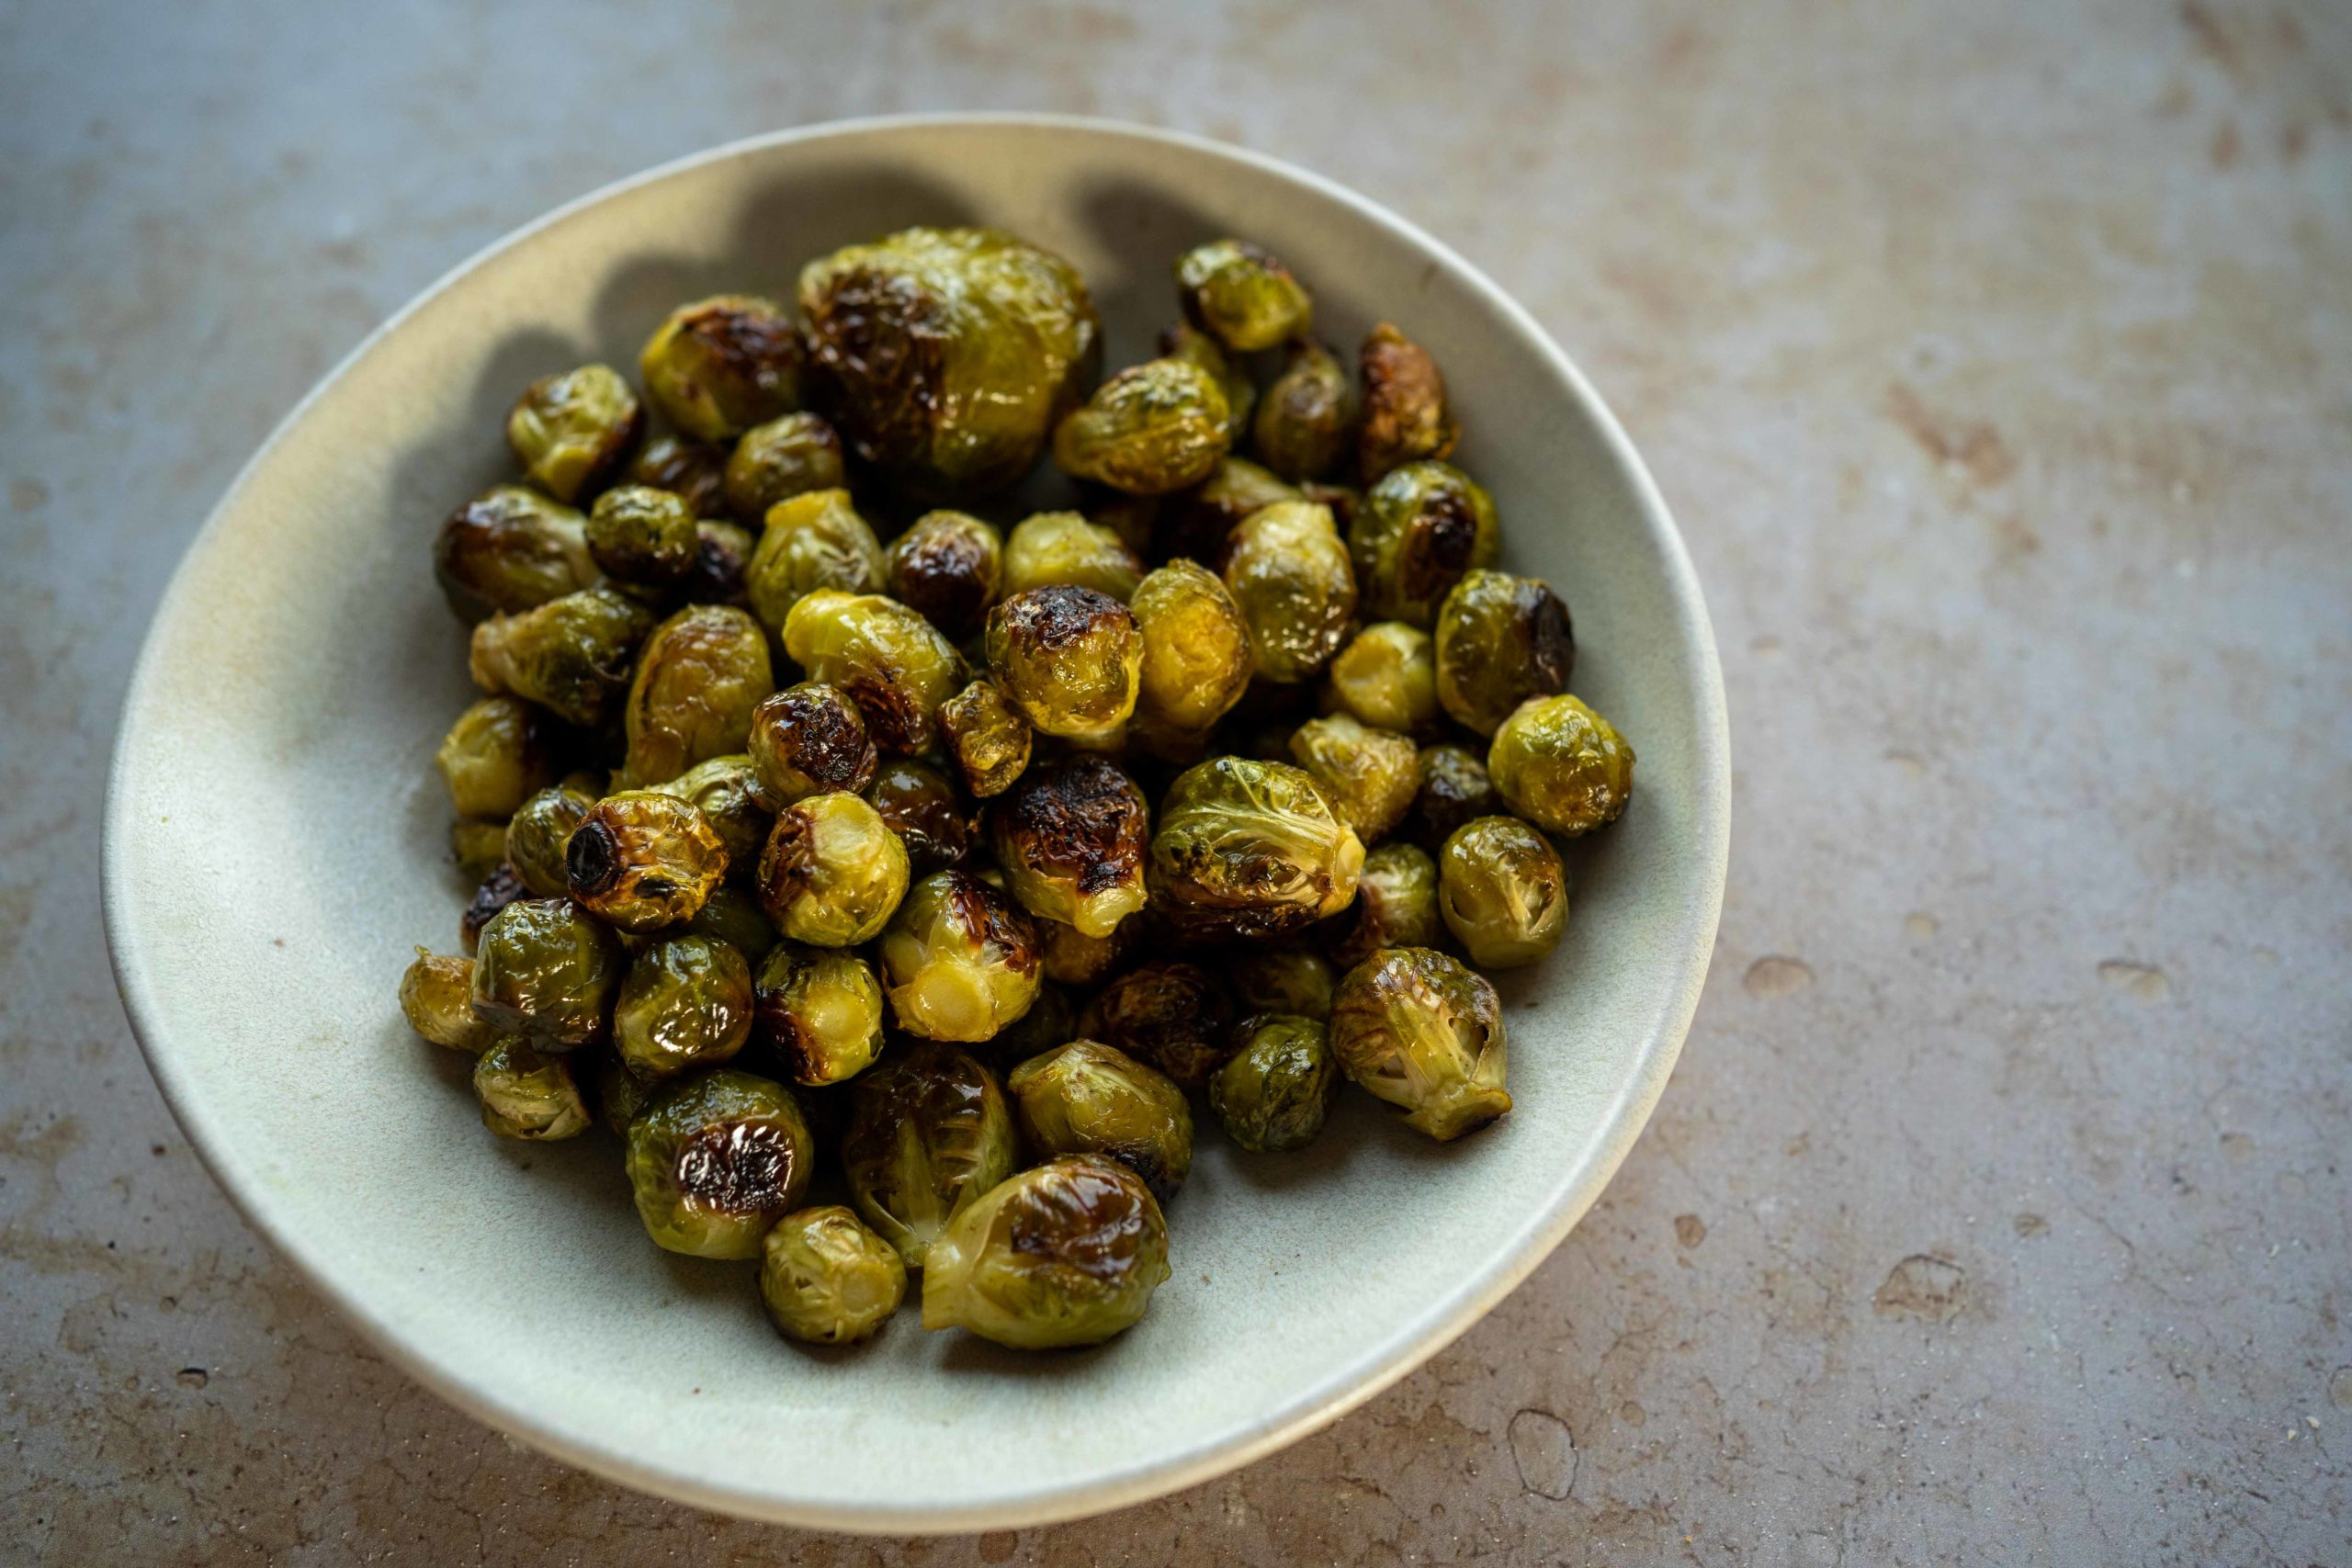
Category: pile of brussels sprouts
[790,841]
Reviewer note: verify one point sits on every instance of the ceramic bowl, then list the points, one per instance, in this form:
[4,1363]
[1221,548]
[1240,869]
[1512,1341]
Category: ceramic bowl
[276,845]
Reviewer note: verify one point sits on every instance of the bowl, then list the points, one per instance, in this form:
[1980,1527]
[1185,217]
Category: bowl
[275,846]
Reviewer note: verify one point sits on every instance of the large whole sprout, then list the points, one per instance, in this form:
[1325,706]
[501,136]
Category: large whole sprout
[1425,1034]
[894,664]
[1561,766]
[1072,839]
[698,678]
[1086,1098]
[1066,1253]
[509,550]
[960,961]
[720,366]
[1246,849]
[807,740]
[717,1158]
[643,539]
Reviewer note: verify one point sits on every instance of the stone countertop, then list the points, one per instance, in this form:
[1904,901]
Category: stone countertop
[1995,362]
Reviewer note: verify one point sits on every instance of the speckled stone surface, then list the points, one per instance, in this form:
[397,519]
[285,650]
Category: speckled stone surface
[1995,365]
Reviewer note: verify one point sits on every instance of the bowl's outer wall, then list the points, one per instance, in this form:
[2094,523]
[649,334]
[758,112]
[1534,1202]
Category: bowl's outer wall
[275,846]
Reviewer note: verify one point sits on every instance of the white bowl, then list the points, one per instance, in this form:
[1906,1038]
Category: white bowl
[276,843]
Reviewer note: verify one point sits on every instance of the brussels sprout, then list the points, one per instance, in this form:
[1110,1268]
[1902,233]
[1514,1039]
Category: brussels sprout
[1405,416]
[1153,429]
[808,740]
[1072,839]
[724,790]
[1242,295]
[1503,892]
[698,678]
[547,971]
[1086,1098]
[722,558]
[1068,657]
[1051,1021]
[693,471]
[812,541]
[495,758]
[1248,849]
[1289,572]
[1425,1034]
[1185,341]
[1174,1015]
[1420,529]
[1369,775]
[617,1094]
[1303,426]
[1272,1094]
[437,1000]
[716,1159]
[1063,547]
[732,916]
[526,1094]
[948,355]
[917,803]
[1199,523]
[477,848]
[571,432]
[510,549]
[1454,789]
[1562,766]
[831,872]
[797,454]
[572,654]
[642,860]
[642,536]
[1196,657]
[720,366]
[1395,905]
[1500,641]
[1293,980]
[1066,1253]
[819,1009]
[948,567]
[500,888]
[960,961]
[929,1133]
[1388,678]
[894,664]
[1074,958]
[827,1279]
[687,1003]
[536,837]
[987,738]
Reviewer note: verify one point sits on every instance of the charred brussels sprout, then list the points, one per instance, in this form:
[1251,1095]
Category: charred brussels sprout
[1063,547]
[894,664]
[510,549]
[812,541]
[1500,641]
[1369,775]
[1503,892]
[929,1133]
[1072,839]
[693,472]
[1246,849]
[1196,655]
[722,558]
[827,1279]
[1185,341]
[1273,1094]
[819,1010]
[687,1003]
[1294,980]
[831,872]
[808,740]
[1290,574]
[1068,658]
[642,860]
[917,802]
[987,738]
[1199,523]
[536,837]
[960,961]
[720,366]
[1074,958]
[1455,788]
[725,792]
[1425,1034]
[1304,425]
[547,970]
[716,1159]
[1242,295]
[1562,766]
[1150,430]
[642,536]
[572,654]
[1086,1098]
[1176,1016]
[437,1000]
[526,1094]
[1405,416]
[1395,905]
[1066,1253]
[495,758]
[797,454]
[948,567]
[500,888]
[477,848]
[732,916]
[1420,529]
[698,678]
[571,432]
[1388,678]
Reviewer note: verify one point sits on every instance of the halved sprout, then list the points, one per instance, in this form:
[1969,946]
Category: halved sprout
[1426,1034]
[929,1133]
[1066,1253]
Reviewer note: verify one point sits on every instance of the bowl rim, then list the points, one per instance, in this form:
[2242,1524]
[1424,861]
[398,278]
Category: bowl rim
[1373,1369]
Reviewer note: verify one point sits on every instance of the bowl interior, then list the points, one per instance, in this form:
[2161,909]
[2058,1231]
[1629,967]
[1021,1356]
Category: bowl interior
[277,847]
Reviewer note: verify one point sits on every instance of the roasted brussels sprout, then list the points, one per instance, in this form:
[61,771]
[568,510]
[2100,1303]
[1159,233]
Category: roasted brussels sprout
[1176,1016]
[1454,789]
[1503,892]
[948,355]
[526,1094]
[547,970]
[495,758]
[510,549]
[1066,1253]
[1369,775]
[1425,1034]
[571,432]
[1086,1098]
[917,803]
[722,558]
[812,541]
[732,916]
[1199,523]
[1405,416]
[724,790]
[1395,905]
[894,664]
[1051,1021]
[819,1010]
[692,471]
[1419,530]
[1272,1094]
[1294,980]
[641,860]
[687,1003]
[960,961]
[797,454]
[1500,641]
[1305,424]
[1063,547]
[536,835]
[1185,341]
[948,567]
[832,872]
[1388,678]
[827,1279]
[720,366]
[500,888]
[616,1093]
[1561,766]
[1074,958]
[477,848]
[437,1000]
[1196,656]
[1150,430]
[1246,849]
[1068,657]
[986,737]
[716,1159]
[698,678]
[1289,572]
[643,538]
[572,654]
[1242,295]
[929,1133]
[1072,839]
[808,740]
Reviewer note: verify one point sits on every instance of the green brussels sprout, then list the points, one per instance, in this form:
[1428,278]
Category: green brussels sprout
[1395,905]
[831,872]
[1068,658]
[986,737]
[1150,430]
[732,916]
[716,1159]
[687,1003]
[547,971]
[894,664]
[528,1095]
[1066,1253]
[536,837]
[949,354]
[437,1000]
[1242,295]
[1426,1034]
[617,1094]
[1196,656]
[917,802]
[722,560]
[1388,678]
[1503,892]
[1405,416]
[1369,775]
[477,848]
[1500,641]
[1185,341]
[500,888]
[698,678]
[1248,850]
[1305,426]
[571,432]
[1454,789]
[572,654]
[929,1133]
[812,541]
[1086,1098]
[495,758]
[510,549]
[1418,531]
[1176,1016]
[797,454]
[808,740]
[1561,766]
[641,860]
[819,1010]
[1072,839]
[827,1279]
[960,960]
[947,567]
[720,366]
[1198,524]
[643,538]
[1289,572]
[1286,979]
[1074,958]
[1063,547]
[724,790]
[1272,1094]
[694,471]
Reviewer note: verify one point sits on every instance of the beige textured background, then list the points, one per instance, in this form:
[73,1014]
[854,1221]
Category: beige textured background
[1997,360]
